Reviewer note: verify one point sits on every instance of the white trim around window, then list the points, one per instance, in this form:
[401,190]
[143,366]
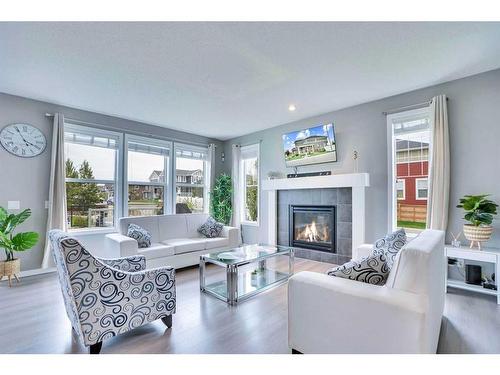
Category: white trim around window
[201,153]
[417,189]
[249,152]
[166,185]
[93,133]
[392,120]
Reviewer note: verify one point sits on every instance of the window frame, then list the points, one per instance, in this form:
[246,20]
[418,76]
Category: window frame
[417,189]
[403,180]
[392,158]
[255,147]
[70,126]
[167,187]
[205,185]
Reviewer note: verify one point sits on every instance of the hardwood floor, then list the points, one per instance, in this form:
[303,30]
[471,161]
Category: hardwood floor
[34,321]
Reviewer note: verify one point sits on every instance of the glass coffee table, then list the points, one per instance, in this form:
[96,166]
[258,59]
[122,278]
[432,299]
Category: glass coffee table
[248,270]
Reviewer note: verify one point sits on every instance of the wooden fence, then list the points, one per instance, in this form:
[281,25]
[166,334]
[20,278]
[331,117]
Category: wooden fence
[410,212]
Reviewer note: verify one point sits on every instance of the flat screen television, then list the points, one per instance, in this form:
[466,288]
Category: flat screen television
[310,146]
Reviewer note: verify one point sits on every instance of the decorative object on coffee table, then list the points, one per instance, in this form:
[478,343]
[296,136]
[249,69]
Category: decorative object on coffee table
[479,212]
[10,243]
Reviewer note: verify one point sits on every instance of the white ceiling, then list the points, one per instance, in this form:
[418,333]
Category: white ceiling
[228,79]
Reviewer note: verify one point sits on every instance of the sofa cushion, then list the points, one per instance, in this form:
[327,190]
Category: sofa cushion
[390,245]
[372,270]
[157,250]
[141,235]
[172,226]
[194,221]
[186,245]
[211,228]
[150,223]
[214,243]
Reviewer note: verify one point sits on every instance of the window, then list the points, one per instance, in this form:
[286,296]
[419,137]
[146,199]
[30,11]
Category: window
[400,189]
[421,188]
[91,176]
[147,176]
[409,137]
[191,192]
[249,180]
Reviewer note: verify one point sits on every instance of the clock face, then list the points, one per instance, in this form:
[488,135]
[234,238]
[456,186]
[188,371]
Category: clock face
[23,140]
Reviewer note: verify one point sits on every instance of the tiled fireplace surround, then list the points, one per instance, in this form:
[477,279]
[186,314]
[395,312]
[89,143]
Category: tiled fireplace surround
[339,197]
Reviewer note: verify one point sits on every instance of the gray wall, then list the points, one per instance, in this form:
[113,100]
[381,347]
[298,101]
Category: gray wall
[474,121]
[27,180]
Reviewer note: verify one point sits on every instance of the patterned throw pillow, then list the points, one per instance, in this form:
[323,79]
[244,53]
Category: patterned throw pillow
[390,245]
[141,235]
[372,270]
[211,228]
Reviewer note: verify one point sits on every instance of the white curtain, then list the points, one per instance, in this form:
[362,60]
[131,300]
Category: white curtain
[57,190]
[210,172]
[235,177]
[439,174]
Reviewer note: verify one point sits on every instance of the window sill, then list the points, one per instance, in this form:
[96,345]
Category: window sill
[250,223]
[90,232]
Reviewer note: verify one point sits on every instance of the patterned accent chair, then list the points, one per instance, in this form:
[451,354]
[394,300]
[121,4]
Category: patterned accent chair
[106,297]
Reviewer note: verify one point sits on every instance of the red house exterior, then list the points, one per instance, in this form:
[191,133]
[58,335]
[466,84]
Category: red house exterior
[412,169]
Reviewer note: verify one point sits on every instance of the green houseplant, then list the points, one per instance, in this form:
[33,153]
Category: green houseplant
[221,195]
[11,242]
[479,212]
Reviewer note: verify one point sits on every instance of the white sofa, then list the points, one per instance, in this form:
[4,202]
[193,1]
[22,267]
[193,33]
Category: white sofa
[335,315]
[175,239]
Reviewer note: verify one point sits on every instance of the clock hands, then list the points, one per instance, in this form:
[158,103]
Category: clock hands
[25,141]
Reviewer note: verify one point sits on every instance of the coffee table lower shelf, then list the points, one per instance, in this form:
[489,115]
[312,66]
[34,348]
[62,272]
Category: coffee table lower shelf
[248,283]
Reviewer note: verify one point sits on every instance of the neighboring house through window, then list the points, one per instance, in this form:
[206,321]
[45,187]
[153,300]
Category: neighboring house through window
[110,174]
[147,184]
[409,136]
[92,156]
[191,193]
[249,181]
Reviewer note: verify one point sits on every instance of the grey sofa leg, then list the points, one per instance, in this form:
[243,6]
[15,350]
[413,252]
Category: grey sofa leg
[294,351]
[95,348]
[167,320]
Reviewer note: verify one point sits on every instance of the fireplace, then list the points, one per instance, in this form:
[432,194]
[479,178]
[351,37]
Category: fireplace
[313,227]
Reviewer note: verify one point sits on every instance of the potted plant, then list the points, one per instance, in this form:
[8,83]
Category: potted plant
[221,196]
[11,242]
[479,212]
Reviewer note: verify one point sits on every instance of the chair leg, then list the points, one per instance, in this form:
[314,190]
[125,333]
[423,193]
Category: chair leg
[294,351]
[167,320]
[95,348]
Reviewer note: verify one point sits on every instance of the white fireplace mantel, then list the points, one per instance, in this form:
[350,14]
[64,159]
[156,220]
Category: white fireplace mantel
[357,181]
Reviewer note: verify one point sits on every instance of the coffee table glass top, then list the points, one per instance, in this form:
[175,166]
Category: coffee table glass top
[245,254]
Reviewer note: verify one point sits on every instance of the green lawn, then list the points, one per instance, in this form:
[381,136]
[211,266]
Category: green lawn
[411,224]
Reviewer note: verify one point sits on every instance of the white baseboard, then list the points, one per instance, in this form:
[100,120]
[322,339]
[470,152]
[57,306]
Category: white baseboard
[37,271]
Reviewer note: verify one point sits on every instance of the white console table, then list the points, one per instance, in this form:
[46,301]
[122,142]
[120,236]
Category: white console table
[486,255]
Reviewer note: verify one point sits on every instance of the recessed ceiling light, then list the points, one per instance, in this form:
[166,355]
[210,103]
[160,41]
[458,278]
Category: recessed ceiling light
[292,107]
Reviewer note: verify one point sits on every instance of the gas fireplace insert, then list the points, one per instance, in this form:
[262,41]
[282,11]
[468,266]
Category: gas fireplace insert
[313,227]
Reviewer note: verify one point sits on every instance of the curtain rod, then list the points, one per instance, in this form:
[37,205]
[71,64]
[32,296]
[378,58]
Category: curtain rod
[149,135]
[408,107]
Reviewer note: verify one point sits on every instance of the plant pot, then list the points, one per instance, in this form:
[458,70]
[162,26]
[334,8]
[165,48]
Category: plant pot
[479,234]
[10,269]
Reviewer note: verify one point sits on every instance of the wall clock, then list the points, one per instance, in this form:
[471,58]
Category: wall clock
[23,140]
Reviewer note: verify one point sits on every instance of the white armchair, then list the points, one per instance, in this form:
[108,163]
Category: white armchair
[334,315]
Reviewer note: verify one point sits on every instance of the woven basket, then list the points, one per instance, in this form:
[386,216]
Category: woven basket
[477,234]
[10,268]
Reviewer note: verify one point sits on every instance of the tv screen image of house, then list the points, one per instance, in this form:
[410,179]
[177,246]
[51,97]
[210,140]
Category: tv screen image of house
[310,146]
